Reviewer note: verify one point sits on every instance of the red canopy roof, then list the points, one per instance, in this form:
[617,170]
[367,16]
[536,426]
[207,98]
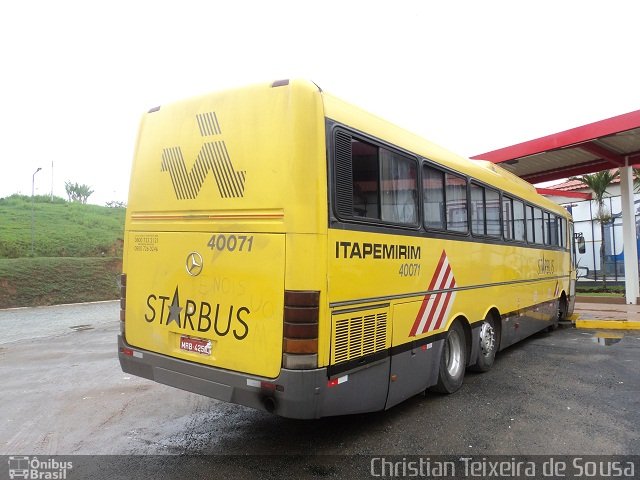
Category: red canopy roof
[587,149]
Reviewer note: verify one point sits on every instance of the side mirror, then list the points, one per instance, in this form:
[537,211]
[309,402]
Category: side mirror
[582,247]
[580,275]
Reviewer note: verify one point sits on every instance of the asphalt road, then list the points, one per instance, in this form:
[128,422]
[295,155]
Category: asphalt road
[63,393]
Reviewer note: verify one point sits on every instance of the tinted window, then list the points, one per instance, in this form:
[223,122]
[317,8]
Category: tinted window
[433,197]
[507,218]
[538,230]
[492,205]
[365,171]
[530,228]
[383,184]
[477,210]
[399,185]
[456,198]
[518,221]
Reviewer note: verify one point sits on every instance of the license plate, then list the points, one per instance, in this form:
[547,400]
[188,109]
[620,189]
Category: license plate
[195,345]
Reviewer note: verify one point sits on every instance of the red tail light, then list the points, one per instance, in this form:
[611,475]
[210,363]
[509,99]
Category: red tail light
[301,312]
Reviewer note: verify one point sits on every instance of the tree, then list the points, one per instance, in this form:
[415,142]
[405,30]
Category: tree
[598,183]
[76,192]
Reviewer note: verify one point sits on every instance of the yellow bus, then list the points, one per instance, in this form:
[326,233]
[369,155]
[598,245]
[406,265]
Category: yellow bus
[287,251]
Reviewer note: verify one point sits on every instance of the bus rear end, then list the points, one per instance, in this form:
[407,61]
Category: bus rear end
[211,300]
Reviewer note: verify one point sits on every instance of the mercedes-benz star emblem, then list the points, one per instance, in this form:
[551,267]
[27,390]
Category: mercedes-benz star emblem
[194,264]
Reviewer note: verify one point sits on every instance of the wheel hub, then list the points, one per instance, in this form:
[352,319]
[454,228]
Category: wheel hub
[487,339]
[453,354]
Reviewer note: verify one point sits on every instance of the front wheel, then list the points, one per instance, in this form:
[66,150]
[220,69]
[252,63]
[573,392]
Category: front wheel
[563,309]
[453,360]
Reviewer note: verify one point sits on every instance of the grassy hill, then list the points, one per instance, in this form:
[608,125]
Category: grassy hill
[60,228]
[77,251]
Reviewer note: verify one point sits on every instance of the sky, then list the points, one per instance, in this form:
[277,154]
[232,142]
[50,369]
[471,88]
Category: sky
[472,76]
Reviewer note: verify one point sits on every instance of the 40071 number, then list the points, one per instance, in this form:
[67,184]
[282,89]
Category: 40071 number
[231,243]
[409,270]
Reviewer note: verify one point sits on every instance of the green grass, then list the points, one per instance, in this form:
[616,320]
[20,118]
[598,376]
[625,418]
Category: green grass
[599,291]
[77,251]
[60,228]
[48,281]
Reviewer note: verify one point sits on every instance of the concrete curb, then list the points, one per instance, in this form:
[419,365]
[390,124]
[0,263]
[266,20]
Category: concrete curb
[59,305]
[603,324]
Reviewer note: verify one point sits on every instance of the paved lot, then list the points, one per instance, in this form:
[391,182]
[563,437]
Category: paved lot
[63,392]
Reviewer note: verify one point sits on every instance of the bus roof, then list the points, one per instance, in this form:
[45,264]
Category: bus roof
[355,117]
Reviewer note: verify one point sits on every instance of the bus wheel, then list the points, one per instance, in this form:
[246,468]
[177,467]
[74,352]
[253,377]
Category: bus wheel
[561,314]
[488,345]
[453,360]
[562,308]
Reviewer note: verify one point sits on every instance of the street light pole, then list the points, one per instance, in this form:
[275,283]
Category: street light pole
[33,187]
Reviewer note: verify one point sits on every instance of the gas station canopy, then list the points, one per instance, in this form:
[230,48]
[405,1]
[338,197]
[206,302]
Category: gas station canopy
[591,148]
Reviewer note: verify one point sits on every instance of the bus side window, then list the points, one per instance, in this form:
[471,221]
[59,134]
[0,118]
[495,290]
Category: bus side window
[365,168]
[477,210]
[507,218]
[538,226]
[433,197]
[518,221]
[530,229]
[456,199]
[492,203]
[399,185]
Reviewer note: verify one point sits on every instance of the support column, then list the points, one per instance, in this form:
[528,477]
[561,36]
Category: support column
[629,235]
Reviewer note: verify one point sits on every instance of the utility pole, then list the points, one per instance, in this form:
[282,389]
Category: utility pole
[33,188]
[51,181]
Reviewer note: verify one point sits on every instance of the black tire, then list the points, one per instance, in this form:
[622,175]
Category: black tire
[561,314]
[563,309]
[453,360]
[489,344]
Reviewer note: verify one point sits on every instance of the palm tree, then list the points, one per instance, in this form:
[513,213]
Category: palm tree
[598,183]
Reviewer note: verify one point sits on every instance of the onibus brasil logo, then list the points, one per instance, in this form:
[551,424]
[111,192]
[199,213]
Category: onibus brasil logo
[213,157]
[34,468]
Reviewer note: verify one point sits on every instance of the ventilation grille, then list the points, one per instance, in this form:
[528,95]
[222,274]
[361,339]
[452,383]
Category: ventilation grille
[344,174]
[359,334]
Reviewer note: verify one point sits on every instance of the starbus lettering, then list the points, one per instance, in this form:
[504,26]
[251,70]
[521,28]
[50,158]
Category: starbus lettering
[545,266]
[377,251]
[194,316]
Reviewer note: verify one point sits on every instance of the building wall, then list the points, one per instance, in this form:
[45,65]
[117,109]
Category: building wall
[583,213]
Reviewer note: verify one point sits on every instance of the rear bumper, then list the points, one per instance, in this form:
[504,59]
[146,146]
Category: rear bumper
[297,393]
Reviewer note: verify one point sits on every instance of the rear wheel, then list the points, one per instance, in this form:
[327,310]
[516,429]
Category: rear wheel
[453,360]
[488,345]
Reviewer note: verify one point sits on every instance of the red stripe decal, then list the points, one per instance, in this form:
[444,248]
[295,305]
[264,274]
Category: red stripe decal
[433,308]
